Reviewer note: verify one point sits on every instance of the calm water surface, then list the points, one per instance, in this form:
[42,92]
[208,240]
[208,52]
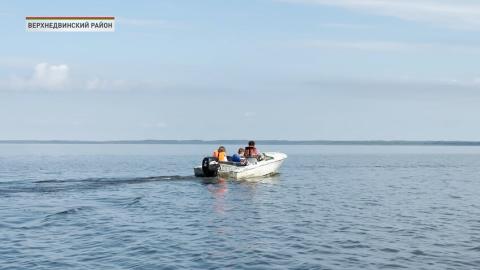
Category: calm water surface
[331,207]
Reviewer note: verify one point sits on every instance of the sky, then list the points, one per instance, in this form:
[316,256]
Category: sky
[241,69]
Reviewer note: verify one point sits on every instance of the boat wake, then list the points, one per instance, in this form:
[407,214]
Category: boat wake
[66,185]
[135,180]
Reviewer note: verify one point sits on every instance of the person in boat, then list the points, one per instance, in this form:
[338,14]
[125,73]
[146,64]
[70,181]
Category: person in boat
[251,151]
[252,155]
[220,154]
[239,156]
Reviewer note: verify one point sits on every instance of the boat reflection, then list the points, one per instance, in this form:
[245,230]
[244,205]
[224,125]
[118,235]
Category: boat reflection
[218,188]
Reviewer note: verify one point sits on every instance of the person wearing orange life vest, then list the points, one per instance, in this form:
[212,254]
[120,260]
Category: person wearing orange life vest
[251,151]
[220,154]
[252,154]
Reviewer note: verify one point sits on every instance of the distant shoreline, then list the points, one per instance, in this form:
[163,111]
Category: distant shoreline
[260,142]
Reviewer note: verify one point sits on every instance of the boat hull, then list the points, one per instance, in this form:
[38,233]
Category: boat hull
[266,167]
[252,171]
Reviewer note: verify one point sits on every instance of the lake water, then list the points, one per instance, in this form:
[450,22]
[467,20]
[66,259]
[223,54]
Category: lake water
[331,207]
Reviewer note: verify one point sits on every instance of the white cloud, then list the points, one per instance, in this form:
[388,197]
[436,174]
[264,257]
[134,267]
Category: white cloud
[399,83]
[388,46]
[451,13]
[48,77]
[44,77]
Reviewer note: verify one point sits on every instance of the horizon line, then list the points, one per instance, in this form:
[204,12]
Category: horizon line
[265,142]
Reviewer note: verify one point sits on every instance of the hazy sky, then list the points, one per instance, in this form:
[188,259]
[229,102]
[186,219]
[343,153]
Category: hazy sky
[264,69]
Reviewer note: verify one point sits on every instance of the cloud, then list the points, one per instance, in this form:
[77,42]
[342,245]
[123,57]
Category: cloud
[401,83]
[48,77]
[388,46]
[394,88]
[44,77]
[451,13]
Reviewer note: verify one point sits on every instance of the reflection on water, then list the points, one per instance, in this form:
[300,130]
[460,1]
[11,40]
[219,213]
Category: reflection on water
[218,190]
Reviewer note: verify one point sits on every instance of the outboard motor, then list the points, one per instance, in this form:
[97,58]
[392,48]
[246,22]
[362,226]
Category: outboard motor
[210,170]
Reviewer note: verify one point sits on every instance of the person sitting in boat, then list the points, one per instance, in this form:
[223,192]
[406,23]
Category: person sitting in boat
[252,154]
[220,154]
[251,151]
[239,157]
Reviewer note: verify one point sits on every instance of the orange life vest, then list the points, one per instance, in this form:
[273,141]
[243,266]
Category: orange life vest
[220,155]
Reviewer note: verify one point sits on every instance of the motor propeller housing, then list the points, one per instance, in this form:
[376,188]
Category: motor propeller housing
[210,166]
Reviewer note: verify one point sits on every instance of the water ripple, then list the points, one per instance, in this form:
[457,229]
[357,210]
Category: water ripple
[321,212]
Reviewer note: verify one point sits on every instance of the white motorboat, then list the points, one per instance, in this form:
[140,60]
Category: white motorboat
[268,165]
